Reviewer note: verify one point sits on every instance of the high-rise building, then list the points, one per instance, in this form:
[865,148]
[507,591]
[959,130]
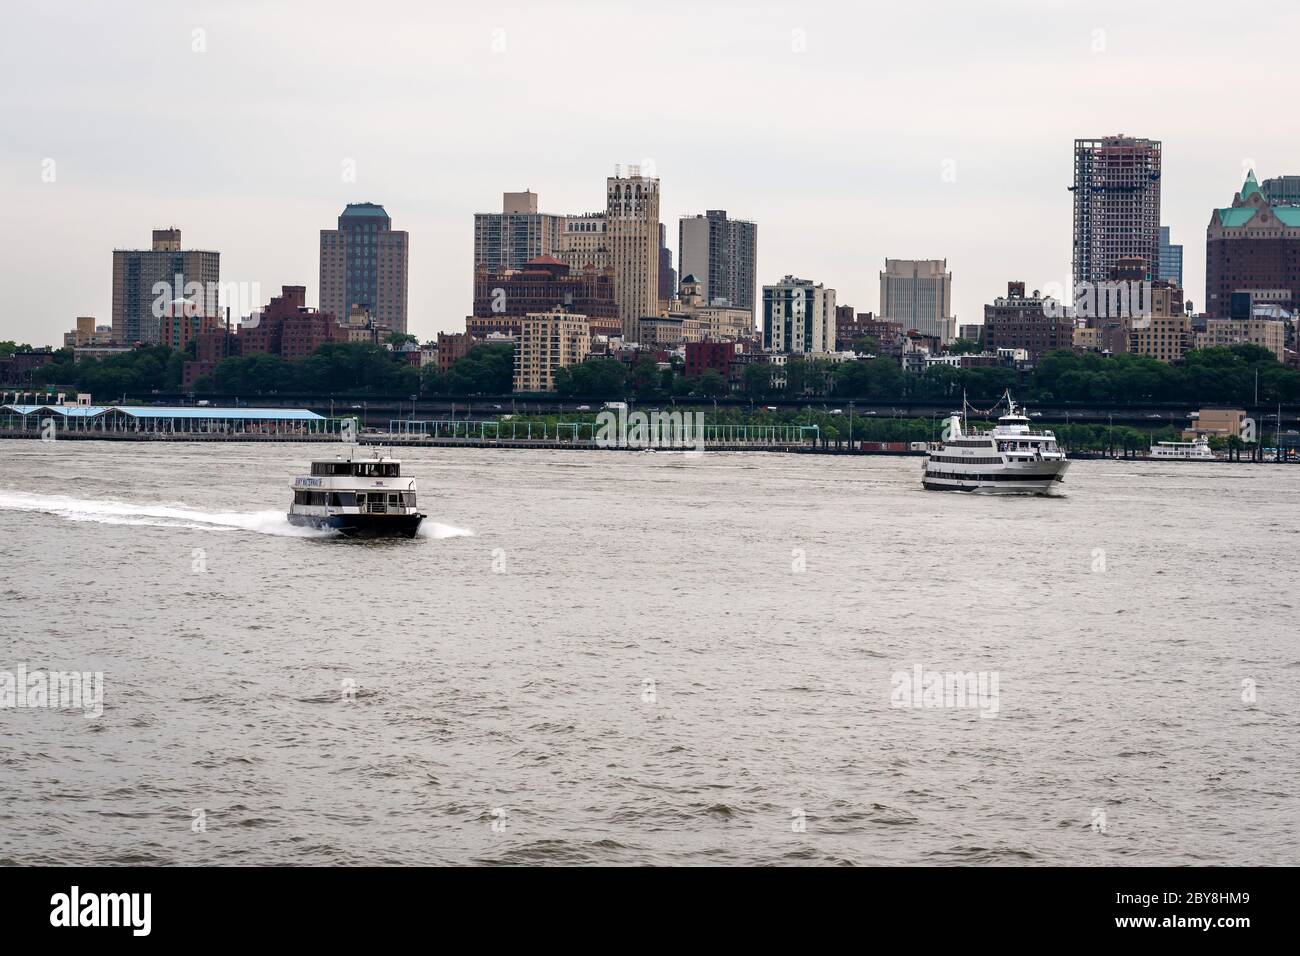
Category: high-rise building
[1252,251]
[146,281]
[632,232]
[1116,203]
[1282,190]
[363,264]
[667,274]
[1030,322]
[1171,259]
[548,341]
[917,294]
[798,316]
[722,253]
[508,239]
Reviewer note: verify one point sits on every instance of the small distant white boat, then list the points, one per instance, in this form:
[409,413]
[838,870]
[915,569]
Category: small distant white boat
[1198,450]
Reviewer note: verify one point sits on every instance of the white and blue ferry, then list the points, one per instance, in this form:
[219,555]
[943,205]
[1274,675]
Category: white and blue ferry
[357,497]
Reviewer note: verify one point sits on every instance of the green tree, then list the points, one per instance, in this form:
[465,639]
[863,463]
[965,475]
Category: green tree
[595,378]
[485,370]
[713,384]
[758,379]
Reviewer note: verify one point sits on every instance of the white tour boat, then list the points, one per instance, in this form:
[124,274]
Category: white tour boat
[1198,450]
[1011,458]
[357,497]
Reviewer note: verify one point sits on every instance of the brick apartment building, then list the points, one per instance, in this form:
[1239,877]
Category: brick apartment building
[285,327]
[503,297]
[1020,321]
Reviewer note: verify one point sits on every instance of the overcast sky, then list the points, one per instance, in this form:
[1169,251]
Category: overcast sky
[830,125]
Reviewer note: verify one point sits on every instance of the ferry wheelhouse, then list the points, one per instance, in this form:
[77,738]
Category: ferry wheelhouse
[357,497]
[1010,458]
[1198,450]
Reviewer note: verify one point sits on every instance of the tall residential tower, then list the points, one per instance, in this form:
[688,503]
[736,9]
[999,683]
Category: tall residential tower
[363,264]
[721,254]
[147,281]
[518,233]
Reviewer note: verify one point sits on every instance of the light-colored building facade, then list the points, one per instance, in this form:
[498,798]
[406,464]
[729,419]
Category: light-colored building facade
[145,281]
[717,323]
[798,316]
[668,331]
[1166,332]
[1116,204]
[632,230]
[584,242]
[1223,422]
[87,332]
[548,341]
[917,294]
[364,264]
[722,254]
[510,238]
[1266,333]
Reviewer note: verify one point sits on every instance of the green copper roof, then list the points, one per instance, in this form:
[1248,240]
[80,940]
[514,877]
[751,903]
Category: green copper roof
[1238,216]
[1249,186]
[1233,218]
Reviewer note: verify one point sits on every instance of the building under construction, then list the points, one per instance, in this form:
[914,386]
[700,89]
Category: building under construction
[1116,204]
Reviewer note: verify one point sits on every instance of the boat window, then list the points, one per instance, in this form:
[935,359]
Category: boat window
[395,500]
[329,468]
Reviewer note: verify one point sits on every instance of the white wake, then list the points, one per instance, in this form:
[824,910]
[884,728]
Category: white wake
[178,516]
[151,515]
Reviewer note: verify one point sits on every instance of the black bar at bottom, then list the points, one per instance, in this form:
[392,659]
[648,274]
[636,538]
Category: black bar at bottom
[1225,906]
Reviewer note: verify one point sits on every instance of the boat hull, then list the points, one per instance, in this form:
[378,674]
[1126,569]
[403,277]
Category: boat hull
[1039,480]
[362,525]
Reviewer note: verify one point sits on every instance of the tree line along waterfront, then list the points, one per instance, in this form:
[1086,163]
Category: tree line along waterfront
[1238,375]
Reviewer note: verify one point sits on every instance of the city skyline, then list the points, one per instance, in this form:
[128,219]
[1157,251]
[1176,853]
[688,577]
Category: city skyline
[963,188]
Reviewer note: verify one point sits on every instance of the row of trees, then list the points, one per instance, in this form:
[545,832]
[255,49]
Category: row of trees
[335,368]
[1235,375]
[152,368]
